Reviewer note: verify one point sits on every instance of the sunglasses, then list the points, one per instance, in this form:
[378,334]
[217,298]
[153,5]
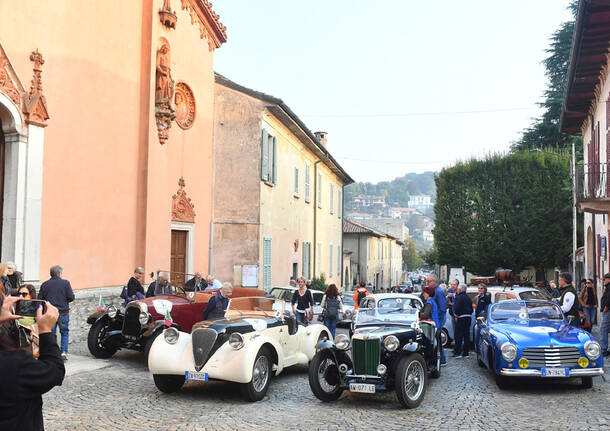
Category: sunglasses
[23,294]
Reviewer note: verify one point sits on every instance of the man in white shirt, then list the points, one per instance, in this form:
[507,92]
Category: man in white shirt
[213,284]
[567,300]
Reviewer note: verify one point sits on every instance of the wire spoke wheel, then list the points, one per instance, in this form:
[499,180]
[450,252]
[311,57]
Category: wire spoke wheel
[414,381]
[260,373]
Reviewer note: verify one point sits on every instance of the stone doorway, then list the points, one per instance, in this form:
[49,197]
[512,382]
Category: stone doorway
[178,258]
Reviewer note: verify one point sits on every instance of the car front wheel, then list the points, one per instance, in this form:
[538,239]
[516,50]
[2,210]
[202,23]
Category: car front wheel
[168,383]
[324,377]
[445,339]
[97,347]
[411,380]
[256,389]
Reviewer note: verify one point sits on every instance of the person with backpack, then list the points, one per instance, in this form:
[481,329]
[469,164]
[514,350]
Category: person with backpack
[331,307]
[360,293]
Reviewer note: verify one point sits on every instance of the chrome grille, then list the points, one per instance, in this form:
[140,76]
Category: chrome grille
[131,322]
[203,341]
[552,356]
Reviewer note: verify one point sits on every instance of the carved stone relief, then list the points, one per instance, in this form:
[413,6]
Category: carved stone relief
[9,83]
[164,92]
[182,207]
[35,108]
[185,106]
[167,15]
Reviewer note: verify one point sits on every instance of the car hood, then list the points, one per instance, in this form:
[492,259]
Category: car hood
[243,325]
[534,333]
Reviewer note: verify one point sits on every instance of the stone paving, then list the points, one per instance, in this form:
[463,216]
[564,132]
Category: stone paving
[122,395]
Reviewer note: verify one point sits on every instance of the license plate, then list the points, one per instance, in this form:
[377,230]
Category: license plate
[362,387]
[555,372]
[194,375]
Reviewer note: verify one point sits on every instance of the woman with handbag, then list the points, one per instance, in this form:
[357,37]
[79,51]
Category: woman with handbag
[331,307]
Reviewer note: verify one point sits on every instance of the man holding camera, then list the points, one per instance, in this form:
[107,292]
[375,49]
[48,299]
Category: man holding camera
[58,292]
[24,379]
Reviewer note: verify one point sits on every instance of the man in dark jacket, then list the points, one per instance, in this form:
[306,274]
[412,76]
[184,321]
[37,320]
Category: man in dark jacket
[217,306]
[483,301]
[463,315]
[196,284]
[59,293]
[568,301]
[604,307]
[24,379]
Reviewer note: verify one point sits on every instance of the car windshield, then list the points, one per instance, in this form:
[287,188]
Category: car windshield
[347,300]
[394,310]
[533,294]
[280,293]
[167,289]
[525,310]
[255,306]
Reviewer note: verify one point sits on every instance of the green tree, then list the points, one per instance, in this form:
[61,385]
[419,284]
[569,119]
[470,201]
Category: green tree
[544,131]
[319,283]
[410,257]
[506,211]
[429,258]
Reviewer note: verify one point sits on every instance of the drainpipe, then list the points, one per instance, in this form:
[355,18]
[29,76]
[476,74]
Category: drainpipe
[342,248]
[315,211]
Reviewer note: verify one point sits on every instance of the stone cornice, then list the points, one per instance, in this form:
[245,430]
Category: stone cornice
[208,22]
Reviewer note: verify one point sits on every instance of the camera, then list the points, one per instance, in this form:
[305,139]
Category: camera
[28,307]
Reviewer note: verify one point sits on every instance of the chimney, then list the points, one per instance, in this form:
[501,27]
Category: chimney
[321,137]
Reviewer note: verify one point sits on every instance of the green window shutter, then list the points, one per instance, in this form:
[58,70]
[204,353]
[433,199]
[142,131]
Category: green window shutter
[339,260]
[330,260]
[264,156]
[267,264]
[274,160]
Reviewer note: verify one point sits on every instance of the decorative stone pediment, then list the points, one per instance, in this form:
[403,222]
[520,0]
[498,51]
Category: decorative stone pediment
[207,21]
[182,207]
[10,85]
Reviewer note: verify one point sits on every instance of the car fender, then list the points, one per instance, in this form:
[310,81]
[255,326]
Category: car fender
[411,347]
[165,358]
[325,344]
[98,316]
[234,365]
[310,337]
[159,325]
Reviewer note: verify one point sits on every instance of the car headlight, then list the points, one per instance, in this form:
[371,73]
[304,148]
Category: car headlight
[143,318]
[509,351]
[592,350]
[342,342]
[171,335]
[143,307]
[112,311]
[236,340]
[391,343]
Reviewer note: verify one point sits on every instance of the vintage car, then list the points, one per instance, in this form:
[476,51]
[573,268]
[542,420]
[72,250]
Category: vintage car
[533,338]
[390,349]
[498,294]
[254,341]
[142,321]
[386,300]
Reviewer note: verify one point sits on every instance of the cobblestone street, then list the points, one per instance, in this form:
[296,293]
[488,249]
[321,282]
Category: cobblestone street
[122,395]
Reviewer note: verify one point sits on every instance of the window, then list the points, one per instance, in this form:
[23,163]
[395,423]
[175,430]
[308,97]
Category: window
[296,182]
[268,158]
[267,264]
[339,203]
[339,260]
[319,190]
[307,181]
[330,260]
[332,198]
[307,260]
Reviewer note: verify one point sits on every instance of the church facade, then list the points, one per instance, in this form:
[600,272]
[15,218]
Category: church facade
[106,148]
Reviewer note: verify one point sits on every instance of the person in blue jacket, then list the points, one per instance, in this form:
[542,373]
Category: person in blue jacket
[430,310]
[441,305]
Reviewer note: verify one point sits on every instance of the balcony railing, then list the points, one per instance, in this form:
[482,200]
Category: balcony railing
[592,181]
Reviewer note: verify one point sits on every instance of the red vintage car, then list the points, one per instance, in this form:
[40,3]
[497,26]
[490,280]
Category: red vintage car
[142,321]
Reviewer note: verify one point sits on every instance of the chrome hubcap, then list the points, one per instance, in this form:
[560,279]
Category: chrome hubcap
[260,374]
[414,381]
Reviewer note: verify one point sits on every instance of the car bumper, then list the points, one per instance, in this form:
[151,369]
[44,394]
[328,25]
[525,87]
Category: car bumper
[577,372]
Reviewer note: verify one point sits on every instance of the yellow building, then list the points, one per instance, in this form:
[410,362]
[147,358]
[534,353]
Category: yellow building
[278,193]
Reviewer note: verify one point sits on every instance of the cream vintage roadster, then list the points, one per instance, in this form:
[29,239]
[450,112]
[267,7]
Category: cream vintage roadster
[254,341]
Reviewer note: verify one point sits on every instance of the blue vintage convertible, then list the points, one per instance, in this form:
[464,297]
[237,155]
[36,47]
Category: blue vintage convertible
[534,339]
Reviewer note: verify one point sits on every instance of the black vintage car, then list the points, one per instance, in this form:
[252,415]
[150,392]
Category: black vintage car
[390,349]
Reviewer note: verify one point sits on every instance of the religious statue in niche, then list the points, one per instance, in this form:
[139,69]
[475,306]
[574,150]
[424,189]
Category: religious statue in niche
[167,15]
[164,92]
[185,106]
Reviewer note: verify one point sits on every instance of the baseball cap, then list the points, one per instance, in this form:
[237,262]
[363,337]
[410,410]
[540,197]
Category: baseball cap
[607,275]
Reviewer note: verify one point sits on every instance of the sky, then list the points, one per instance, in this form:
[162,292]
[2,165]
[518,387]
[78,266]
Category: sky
[399,85]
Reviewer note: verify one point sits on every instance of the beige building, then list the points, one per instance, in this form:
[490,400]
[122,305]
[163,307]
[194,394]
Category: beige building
[375,257]
[278,193]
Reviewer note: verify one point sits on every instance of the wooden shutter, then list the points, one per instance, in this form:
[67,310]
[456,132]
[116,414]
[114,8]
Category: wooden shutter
[274,160]
[307,182]
[339,203]
[339,260]
[319,190]
[264,156]
[330,260]
[305,263]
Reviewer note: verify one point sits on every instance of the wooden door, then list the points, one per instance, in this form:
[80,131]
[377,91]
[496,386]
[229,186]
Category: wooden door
[178,258]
